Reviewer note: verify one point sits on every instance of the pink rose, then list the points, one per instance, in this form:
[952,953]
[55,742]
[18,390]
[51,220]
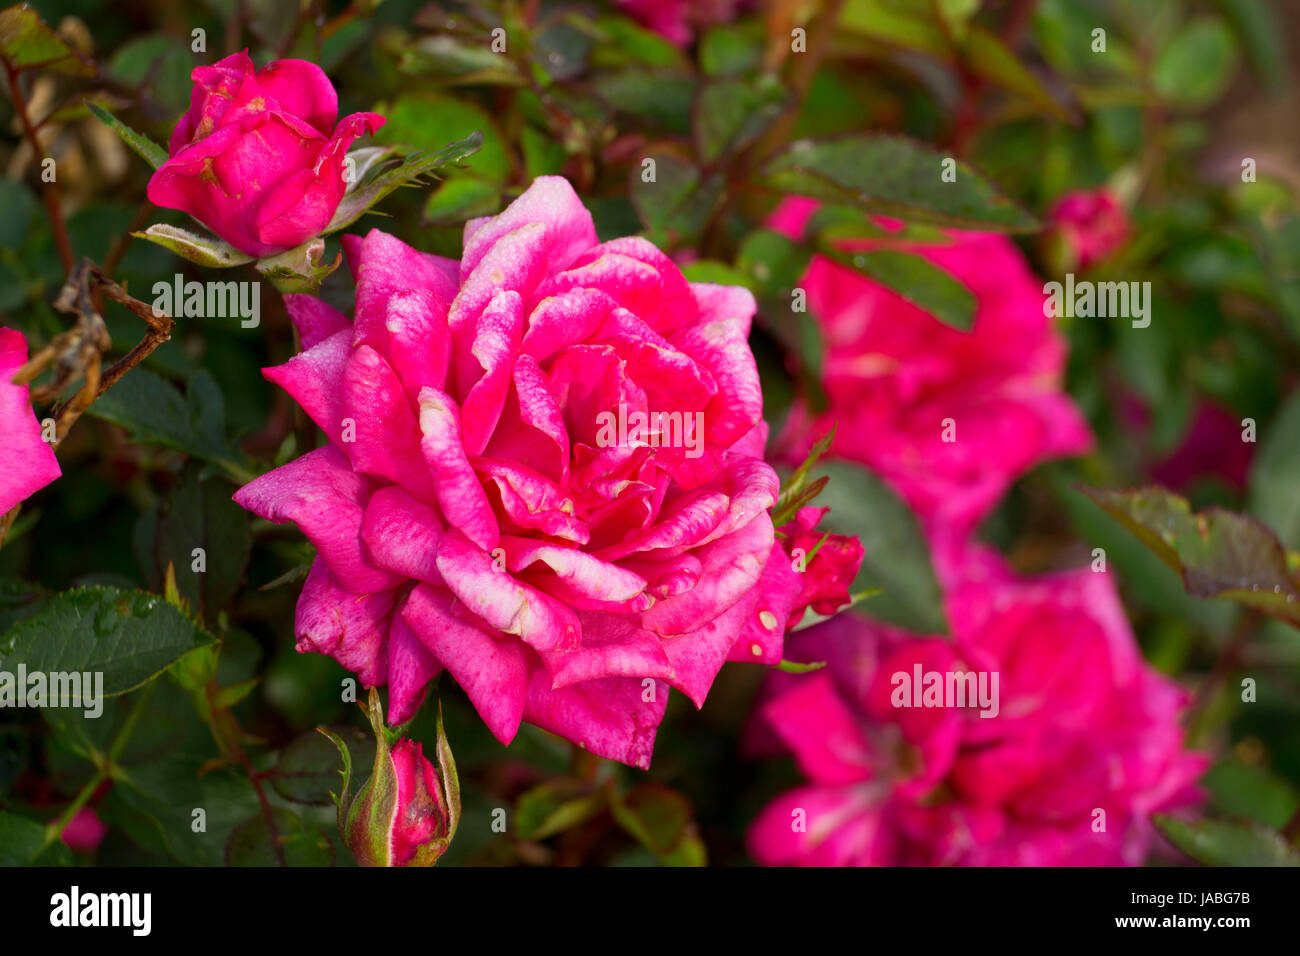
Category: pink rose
[1079,724]
[676,20]
[487,503]
[85,831]
[258,158]
[1092,224]
[949,418]
[1212,448]
[29,462]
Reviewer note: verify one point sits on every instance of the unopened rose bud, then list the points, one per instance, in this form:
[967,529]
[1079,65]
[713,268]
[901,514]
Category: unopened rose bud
[407,812]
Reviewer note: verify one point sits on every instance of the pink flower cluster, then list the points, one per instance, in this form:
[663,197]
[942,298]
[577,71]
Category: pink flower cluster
[949,418]
[1074,741]
[467,514]
[1080,744]
[1091,224]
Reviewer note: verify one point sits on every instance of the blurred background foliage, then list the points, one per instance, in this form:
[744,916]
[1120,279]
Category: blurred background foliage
[1185,90]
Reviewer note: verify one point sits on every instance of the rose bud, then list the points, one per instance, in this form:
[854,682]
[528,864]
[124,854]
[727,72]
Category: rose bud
[407,812]
[258,159]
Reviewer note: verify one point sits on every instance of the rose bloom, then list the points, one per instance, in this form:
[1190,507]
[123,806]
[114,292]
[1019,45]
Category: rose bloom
[466,512]
[258,159]
[85,831]
[1082,724]
[1091,223]
[29,462]
[676,20]
[900,382]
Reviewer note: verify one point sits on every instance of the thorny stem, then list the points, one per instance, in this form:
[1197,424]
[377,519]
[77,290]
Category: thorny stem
[50,191]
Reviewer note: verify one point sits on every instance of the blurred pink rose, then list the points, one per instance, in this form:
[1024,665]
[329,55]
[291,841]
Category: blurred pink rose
[950,419]
[676,20]
[473,509]
[29,462]
[1092,224]
[1082,724]
[1213,447]
[85,831]
[258,158]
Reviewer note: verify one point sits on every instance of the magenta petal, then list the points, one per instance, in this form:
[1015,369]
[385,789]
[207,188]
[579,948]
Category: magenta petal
[314,319]
[312,377]
[496,344]
[492,594]
[459,493]
[383,429]
[303,89]
[550,200]
[493,672]
[720,343]
[29,462]
[419,343]
[610,718]
[401,534]
[612,646]
[302,205]
[824,735]
[345,626]
[384,266]
[410,668]
[323,496]
[584,573]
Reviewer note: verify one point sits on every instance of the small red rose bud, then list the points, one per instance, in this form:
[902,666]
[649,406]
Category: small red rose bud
[407,812]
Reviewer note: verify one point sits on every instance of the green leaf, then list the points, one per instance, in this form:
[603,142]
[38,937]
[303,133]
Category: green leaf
[794,667]
[21,839]
[26,42]
[680,200]
[1223,843]
[128,636]
[897,558]
[1219,553]
[894,24]
[1275,472]
[792,498]
[144,147]
[556,806]
[1251,791]
[155,413]
[892,176]
[460,199]
[456,61]
[775,261]
[252,843]
[308,768]
[917,280]
[155,804]
[204,250]
[412,169]
[661,819]
[731,114]
[731,49]
[1197,65]
[197,514]
[654,97]
[988,57]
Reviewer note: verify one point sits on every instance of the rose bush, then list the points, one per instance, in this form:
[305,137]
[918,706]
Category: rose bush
[467,513]
[1082,725]
[259,158]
